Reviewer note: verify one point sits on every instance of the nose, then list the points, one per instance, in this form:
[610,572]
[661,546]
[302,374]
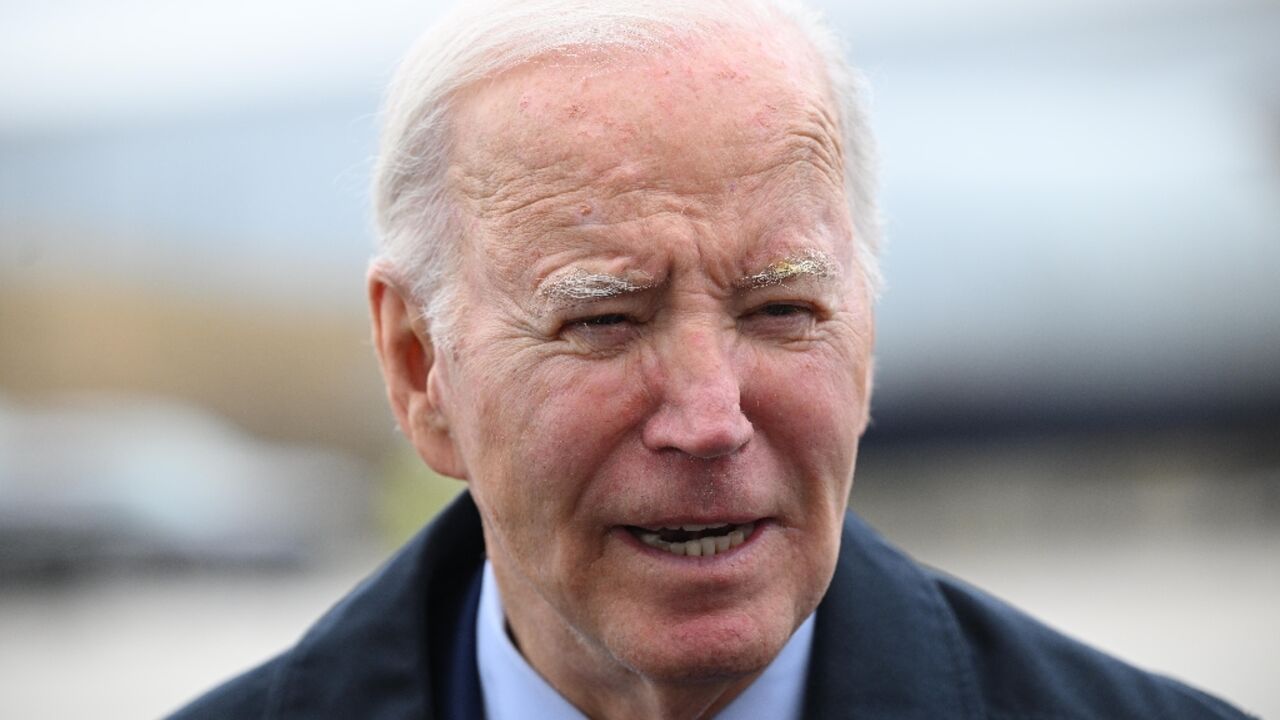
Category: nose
[700,398]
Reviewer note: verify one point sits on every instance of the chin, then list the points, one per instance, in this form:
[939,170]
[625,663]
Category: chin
[704,650]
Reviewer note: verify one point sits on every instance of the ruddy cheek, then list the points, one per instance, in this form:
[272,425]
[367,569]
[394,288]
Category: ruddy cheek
[587,409]
[806,407]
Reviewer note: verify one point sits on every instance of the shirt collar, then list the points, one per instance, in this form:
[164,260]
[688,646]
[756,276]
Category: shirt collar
[513,690]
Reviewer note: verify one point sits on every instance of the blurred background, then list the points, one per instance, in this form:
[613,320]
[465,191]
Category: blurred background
[1078,396]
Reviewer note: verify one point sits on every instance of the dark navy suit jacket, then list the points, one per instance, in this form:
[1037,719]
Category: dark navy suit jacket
[893,641]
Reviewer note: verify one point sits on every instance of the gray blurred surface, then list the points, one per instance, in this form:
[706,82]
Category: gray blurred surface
[105,483]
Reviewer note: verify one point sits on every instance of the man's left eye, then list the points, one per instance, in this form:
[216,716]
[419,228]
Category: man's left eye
[783,310]
[780,319]
[603,320]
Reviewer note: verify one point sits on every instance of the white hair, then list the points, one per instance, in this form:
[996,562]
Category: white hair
[419,232]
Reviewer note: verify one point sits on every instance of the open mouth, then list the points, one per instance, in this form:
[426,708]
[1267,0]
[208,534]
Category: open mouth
[695,540]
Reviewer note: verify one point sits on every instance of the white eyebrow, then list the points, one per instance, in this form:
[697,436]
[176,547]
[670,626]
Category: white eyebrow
[579,286]
[811,263]
[582,286]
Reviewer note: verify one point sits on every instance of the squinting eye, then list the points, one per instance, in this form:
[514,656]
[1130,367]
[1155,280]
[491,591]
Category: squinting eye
[602,320]
[782,310]
[780,320]
[609,330]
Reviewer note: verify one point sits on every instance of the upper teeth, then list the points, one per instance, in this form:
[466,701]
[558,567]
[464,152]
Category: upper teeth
[731,536]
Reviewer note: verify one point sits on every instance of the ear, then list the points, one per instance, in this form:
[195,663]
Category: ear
[416,380]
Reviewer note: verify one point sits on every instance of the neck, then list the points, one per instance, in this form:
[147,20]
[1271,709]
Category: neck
[596,682]
[601,687]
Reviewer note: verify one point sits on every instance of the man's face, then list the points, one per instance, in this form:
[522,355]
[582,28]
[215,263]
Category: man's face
[663,326]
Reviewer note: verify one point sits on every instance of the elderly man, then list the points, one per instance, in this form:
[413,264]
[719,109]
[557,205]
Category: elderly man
[625,294]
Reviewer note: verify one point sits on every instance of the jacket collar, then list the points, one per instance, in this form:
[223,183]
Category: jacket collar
[402,644]
[393,648]
[886,646]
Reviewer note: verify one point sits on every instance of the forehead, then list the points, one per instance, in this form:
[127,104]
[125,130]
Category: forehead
[563,148]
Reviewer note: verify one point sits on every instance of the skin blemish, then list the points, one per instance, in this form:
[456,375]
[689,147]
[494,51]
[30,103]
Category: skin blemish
[811,264]
[764,118]
[579,286]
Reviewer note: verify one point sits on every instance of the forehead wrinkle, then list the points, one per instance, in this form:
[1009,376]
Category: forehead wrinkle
[820,128]
[498,191]
[813,147]
[798,132]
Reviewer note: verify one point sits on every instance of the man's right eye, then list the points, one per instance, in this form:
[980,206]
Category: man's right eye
[608,331]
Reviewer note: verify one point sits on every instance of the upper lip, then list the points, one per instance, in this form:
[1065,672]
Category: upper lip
[682,520]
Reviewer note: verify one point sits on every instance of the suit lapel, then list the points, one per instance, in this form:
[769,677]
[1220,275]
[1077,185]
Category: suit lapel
[402,644]
[885,645]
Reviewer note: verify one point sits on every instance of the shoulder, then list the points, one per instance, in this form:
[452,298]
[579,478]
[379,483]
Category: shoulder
[895,639]
[399,645]
[1026,670]
[245,696]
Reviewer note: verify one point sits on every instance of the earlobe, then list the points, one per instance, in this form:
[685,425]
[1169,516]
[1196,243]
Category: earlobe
[415,377]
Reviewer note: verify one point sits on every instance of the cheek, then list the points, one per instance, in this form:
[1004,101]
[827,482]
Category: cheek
[547,431]
[820,388]
[809,406]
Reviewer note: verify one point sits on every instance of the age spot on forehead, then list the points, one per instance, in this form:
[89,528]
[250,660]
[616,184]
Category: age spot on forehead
[585,213]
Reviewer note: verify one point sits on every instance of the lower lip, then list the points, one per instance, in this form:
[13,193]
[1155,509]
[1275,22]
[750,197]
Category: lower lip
[761,525]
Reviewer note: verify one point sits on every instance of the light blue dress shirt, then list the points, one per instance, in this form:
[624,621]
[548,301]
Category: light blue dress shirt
[513,690]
